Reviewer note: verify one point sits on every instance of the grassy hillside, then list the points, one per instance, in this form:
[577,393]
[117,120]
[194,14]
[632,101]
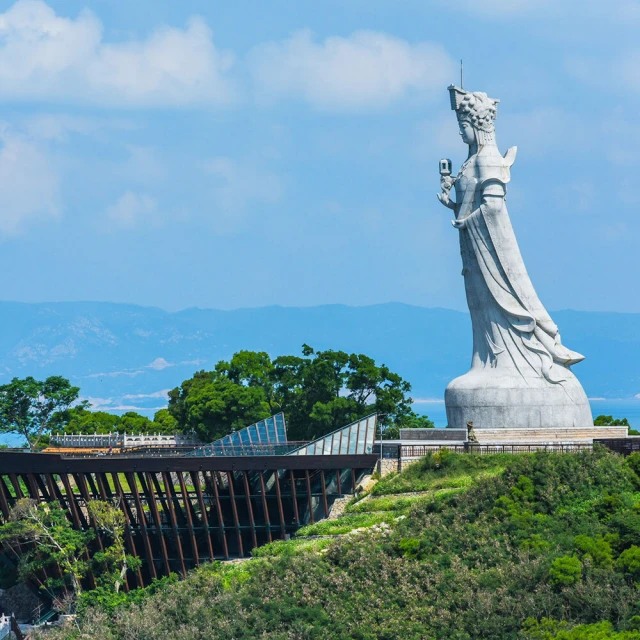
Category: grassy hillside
[529,546]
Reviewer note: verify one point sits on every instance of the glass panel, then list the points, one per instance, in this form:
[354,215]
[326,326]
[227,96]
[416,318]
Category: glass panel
[271,430]
[352,439]
[327,446]
[361,435]
[371,435]
[335,443]
[344,445]
[262,431]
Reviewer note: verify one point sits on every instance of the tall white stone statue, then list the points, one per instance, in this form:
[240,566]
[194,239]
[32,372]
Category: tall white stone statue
[520,374]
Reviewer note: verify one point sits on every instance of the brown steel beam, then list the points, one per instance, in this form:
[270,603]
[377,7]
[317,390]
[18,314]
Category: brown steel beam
[223,533]
[292,479]
[4,502]
[265,506]
[16,486]
[42,488]
[283,533]
[32,488]
[102,486]
[309,497]
[84,491]
[188,510]
[195,478]
[75,516]
[174,524]
[127,512]
[252,522]
[142,523]
[232,496]
[71,501]
[55,463]
[92,484]
[323,485]
[339,481]
[151,501]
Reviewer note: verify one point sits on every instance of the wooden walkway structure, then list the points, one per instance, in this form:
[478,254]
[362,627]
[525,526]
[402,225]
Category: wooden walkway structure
[183,511]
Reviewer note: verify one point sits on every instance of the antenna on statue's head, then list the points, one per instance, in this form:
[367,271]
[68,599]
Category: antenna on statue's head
[461,76]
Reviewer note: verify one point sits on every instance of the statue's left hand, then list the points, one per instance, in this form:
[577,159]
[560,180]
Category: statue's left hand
[461,223]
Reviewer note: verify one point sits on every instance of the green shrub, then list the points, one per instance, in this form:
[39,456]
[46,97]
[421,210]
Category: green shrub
[345,524]
[548,629]
[565,571]
[597,550]
[629,562]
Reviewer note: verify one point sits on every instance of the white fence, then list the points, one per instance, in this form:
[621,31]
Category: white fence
[124,440]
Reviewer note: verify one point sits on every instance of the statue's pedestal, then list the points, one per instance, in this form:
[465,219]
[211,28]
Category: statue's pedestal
[494,399]
[569,435]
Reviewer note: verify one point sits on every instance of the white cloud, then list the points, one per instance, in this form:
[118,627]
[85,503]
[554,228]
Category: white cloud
[159,364]
[131,209]
[44,56]
[29,183]
[365,70]
[164,393]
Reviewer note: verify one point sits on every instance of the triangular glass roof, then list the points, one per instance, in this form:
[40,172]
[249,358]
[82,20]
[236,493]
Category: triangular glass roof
[356,438]
[267,437]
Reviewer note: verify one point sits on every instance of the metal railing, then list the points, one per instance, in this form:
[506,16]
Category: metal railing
[418,451]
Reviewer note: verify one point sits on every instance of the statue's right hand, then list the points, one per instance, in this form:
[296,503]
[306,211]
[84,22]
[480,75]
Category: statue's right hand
[446,201]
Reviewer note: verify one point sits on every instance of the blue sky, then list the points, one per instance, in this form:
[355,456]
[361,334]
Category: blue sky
[220,154]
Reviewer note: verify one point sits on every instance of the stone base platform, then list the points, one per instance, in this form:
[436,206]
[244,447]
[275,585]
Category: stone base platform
[567,435]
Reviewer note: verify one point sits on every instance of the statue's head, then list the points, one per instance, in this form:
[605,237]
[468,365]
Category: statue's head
[476,115]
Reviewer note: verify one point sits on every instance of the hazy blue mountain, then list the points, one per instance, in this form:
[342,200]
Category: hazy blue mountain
[126,356]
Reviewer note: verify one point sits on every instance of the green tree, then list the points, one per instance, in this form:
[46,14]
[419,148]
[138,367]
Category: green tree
[565,571]
[629,562]
[165,421]
[411,421]
[211,405]
[114,562]
[318,392]
[610,421]
[325,390]
[81,420]
[47,539]
[28,405]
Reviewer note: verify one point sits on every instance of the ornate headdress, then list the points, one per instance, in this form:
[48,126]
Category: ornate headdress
[477,109]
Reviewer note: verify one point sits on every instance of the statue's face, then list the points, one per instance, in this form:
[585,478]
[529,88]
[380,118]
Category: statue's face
[467,132]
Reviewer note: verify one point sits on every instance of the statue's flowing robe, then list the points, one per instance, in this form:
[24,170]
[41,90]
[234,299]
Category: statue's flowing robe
[511,328]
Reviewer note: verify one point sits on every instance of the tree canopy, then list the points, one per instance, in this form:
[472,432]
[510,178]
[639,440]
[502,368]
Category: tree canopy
[27,405]
[79,419]
[610,421]
[318,391]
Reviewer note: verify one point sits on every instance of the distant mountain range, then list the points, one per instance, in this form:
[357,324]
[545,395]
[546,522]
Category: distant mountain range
[124,356]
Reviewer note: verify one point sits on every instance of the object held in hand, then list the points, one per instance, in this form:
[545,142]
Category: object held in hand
[445,167]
